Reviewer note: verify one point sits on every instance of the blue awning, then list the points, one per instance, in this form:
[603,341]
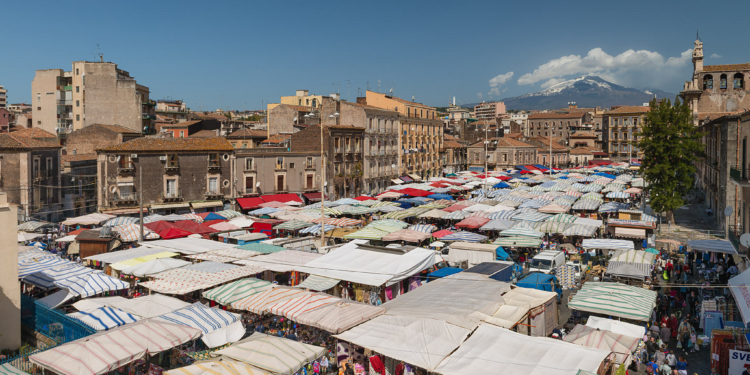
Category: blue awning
[440,196]
[501,185]
[443,272]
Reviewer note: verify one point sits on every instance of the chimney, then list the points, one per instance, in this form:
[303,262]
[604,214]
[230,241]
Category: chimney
[412,97]
[101,57]
[572,105]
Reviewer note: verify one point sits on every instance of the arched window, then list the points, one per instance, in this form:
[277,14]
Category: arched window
[739,81]
[708,82]
[723,81]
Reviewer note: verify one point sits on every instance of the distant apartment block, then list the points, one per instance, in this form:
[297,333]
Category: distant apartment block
[489,110]
[91,93]
[172,109]
[3,97]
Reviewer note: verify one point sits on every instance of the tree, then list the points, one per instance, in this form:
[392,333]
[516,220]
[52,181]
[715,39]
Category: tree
[671,145]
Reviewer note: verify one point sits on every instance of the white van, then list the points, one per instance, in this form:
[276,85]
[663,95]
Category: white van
[546,261]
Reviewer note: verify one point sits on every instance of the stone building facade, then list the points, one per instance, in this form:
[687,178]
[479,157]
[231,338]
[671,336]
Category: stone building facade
[716,89]
[30,176]
[621,126]
[10,304]
[272,170]
[87,140]
[502,153]
[380,144]
[247,138]
[284,118]
[453,155]
[175,172]
[550,149]
[555,124]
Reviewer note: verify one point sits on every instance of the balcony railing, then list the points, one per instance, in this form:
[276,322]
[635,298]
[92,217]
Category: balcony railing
[172,196]
[738,174]
[214,164]
[126,197]
[734,238]
[64,102]
[213,193]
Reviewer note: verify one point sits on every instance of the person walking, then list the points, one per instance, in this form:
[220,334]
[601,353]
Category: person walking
[665,334]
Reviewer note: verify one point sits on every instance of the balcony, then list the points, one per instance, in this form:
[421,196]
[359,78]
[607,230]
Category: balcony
[734,238]
[309,166]
[739,175]
[173,196]
[64,102]
[214,165]
[125,198]
[125,168]
[213,195]
[172,167]
[67,88]
[280,167]
[338,150]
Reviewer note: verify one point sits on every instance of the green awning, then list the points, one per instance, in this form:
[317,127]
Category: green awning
[233,292]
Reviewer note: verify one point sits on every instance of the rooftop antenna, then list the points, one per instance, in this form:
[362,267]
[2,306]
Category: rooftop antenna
[99,53]
[368,85]
[696,36]
[379,86]
[348,89]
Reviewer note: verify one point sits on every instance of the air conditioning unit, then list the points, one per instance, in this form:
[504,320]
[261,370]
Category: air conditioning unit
[134,156]
[162,158]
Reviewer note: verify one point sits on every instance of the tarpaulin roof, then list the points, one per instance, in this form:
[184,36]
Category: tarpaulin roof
[616,326]
[104,318]
[149,306]
[107,351]
[219,327]
[274,354]
[370,266]
[235,291]
[443,272]
[407,235]
[596,338]
[418,341]
[91,284]
[607,244]
[493,350]
[46,278]
[633,256]
[319,283]
[258,303]
[293,308]
[220,366]
[714,246]
[154,266]
[740,288]
[341,316]
[283,198]
[55,299]
[517,241]
[140,260]
[518,303]
[187,245]
[614,299]
[171,233]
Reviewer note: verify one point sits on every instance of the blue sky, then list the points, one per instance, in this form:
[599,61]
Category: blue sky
[235,55]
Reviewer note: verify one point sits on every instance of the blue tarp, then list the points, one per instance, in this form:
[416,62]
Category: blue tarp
[213,216]
[404,205]
[607,175]
[440,196]
[537,280]
[541,167]
[501,185]
[443,272]
[501,254]
[476,169]
[413,201]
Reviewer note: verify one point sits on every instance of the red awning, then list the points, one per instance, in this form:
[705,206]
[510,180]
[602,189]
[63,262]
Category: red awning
[283,198]
[600,162]
[158,226]
[250,203]
[173,233]
[312,197]
[415,192]
[363,198]
[600,153]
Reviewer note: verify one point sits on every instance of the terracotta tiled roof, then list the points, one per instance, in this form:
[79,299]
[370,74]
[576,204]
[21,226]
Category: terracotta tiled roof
[452,144]
[181,124]
[33,133]
[629,109]
[248,133]
[120,129]
[583,135]
[12,142]
[546,141]
[706,117]
[584,150]
[504,142]
[78,157]
[724,68]
[172,144]
[449,137]
[412,104]
[514,135]
[554,115]
[204,134]
[278,138]
[367,106]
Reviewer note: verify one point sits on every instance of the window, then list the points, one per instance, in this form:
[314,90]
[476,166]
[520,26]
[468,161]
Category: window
[171,188]
[77,72]
[249,184]
[78,117]
[708,82]
[213,160]
[336,168]
[36,168]
[38,122]
[125,161]
[249,164]
[38,98]
[723,81]
[739,81]
[347,144]
[213,185]
[280,163]
[615,122]
[336,143]
[78,103]
[78,88]
[172,161]
[635,121]
[309,162]
[291,165]
[38,108]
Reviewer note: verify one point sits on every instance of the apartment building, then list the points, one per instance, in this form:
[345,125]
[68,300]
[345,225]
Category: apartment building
[489,110]
[551,149]
[247,138]
[175,172]
[453,155]
[555,124]
[3,97]
[342,147]
[175,110]
[303,98]
[420,134]
[90,93]
[30,176]
[621,128]
[276,170]
[500,153]
[380,143]
[716,90]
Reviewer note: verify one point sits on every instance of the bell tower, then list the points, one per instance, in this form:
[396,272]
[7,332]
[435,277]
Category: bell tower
[698,55]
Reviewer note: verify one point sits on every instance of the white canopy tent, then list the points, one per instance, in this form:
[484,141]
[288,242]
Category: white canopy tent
[713,246]
[616,326]
[740,288]
[150,306]
[607,244]
[493,350]
[274,354]
[188,246]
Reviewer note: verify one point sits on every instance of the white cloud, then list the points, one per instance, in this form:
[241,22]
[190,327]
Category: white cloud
[497,82]
[479,95]
[715,56]
[630,68]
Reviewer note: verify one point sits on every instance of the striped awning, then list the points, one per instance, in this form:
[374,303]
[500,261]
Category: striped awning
[342,222]
[426,228]
[629,269]
[552,226]
[614,299]
[91,284]
[503,215]
[318,283]
[586,204]
[633,256]
[580,230]
[295,307]
[46,279]
[235,291]
[563,218]
[522,231]
[455,215]
[434,214]
[531,216]
[8,369]
[104,318]
[464,236]
[617,195]
[122,220]
[518,241]
[367,234]
[293,225]
[315,229]
[607,244]
[31,226]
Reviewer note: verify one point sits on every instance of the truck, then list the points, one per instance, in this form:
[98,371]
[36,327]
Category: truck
[546,261]
[541,281]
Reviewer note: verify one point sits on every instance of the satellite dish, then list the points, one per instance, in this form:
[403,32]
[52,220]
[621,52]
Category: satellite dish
[728,211]
[745,239]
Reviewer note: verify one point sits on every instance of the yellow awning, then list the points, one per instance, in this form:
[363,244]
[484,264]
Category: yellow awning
[132,262]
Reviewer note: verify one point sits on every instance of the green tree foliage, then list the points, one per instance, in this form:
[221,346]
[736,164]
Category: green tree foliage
[670,144]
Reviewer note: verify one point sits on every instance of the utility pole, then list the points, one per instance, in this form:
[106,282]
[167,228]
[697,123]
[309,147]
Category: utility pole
[140,197]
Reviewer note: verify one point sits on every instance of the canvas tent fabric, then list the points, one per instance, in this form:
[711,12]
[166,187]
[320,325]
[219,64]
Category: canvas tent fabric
[318,283]
[56,299]
[355,263]
[714,246]
[633,256]
[120,266]
[8,369]
[607,244]
[95,303]
[472,253]
[189,245]
[341,316]
[628,269]
[150,306]
[230,293]
[123,255]
[107,351]
[46,278]
[258,303]
[104,318]
[221,366]
[155,266]
[461,302]
[614,299]
[274,354]
[219,327]
[595,338]
[91,284]
[294,307]
[739,286]
[493,350]
[422,342]
[616,326]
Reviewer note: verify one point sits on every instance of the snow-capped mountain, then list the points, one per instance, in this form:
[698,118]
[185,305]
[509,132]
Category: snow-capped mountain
[587,92]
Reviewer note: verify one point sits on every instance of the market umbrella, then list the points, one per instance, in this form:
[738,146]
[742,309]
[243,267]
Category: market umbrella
[464,236]
[441,233]
[426,228]
[158,226]
[498,224]
[407,235]
[235,291]
[367,234]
